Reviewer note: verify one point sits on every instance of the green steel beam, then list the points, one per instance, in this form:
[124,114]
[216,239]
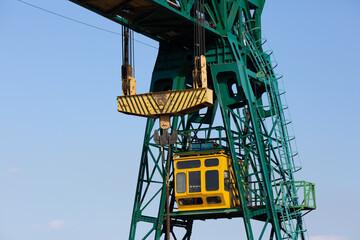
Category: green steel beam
[249,131]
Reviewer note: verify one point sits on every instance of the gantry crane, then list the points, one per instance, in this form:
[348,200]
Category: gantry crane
[211,61]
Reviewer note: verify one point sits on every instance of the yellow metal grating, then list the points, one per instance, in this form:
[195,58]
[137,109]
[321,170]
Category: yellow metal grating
[176,103]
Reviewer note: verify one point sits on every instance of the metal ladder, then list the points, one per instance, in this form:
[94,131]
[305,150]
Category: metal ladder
[282,140]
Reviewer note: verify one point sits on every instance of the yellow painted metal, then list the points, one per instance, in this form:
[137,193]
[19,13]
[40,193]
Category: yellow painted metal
[173,103]
[128,82]
[226,191]
[199,73]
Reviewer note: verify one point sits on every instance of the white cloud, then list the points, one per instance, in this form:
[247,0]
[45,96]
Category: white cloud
[56,224]
[15,170]
[328,237]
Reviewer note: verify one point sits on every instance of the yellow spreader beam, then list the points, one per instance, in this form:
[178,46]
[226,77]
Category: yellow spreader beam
[173,103]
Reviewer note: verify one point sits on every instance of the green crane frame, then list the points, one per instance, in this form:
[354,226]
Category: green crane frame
[254,126]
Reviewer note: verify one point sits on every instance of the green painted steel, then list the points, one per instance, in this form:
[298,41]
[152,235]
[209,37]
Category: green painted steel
[254,127]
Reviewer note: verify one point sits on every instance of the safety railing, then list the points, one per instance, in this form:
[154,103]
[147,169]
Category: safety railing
[204,139]
[305,192]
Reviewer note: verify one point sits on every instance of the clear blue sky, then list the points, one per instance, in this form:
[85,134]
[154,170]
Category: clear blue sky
[69,160]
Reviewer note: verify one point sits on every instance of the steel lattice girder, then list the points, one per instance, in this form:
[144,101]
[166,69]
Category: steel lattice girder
[256,134]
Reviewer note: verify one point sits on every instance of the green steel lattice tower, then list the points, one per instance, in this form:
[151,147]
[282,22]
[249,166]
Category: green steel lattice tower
[254,122]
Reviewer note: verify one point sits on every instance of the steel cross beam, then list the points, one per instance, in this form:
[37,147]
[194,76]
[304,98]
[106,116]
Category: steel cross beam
[166,21]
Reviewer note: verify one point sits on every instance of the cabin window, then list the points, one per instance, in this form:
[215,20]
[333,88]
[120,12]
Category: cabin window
[211,162]
[194,182]
[180,182]
[188,164]
[190,201]
[212,180]
[226,181]
[213,200]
